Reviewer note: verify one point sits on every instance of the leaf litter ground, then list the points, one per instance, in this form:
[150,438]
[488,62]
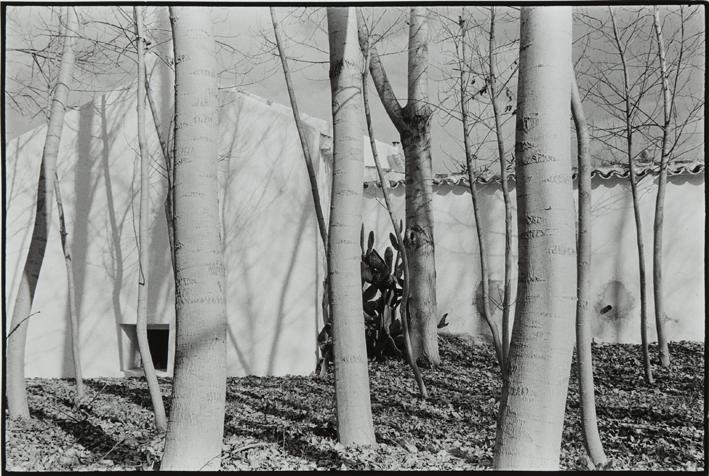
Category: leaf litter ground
[280,423]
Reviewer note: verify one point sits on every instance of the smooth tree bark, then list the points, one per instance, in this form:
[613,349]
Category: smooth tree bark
[413,123]
[636,205]
[533,400]
[504,183]
[354,413]
[470,167]
[71,292]
[196,424]
[17,339]
[317,203]
[322,226]
[141,327]
[584,357]
[167,158]
[404,305]
[660,200]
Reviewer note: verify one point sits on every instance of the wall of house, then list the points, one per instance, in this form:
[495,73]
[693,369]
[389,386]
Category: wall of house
[268,224]
[273,254]
[615,259]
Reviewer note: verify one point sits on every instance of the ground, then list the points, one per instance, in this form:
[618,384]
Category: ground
[288,422]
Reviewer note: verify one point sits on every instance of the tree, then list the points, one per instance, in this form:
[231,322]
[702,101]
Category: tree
[584,357]
[672,121]
[403,308]
[629,112]
[141,327]
[470,167]
[71,295]
[496,110]
[196,424]
[17,338]
[413,122]
[322,226]
[533,401]
[354,413]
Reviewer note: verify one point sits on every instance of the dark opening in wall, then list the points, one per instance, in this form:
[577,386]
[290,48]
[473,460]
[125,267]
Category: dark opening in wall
[158,342]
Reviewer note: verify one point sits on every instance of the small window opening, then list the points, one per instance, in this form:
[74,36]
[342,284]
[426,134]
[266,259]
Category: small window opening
[158,343]
[158,340]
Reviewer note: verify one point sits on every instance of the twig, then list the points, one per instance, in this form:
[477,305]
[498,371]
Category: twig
[19,324]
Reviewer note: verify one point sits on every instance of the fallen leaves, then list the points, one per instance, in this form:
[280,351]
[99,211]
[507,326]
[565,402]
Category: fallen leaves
[289,422]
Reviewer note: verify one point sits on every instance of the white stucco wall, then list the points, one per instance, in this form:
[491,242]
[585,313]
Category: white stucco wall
[614,258]
[273,254]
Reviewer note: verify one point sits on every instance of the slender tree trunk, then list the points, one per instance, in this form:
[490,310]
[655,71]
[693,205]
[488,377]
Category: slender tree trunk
[354,413]
[507,293]
[533,401]
[322,226]
[196,424]
[584,357]
[404,305]
[482,245]
[165,149]
[71,291]
[317,203]
[16,393]
[414,125]
[141,326]
[636,209]
[660,203]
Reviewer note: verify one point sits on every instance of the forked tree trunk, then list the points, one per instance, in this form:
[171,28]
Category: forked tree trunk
[196,424]
[16,341]
[584,357]
[507,293]
[482,245]
[141,327]
[71,291]
[660,202]
[414,125]
[354,413]
[404,305]
[533,401]
[636,207]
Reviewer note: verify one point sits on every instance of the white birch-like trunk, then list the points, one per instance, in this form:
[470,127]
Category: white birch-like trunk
[413,122]
[636,205]
[141,327]
[71,291]
[533,402]
[584,357]
[196,424]
[354,413]
[418,238]
[660,201]
[15,350]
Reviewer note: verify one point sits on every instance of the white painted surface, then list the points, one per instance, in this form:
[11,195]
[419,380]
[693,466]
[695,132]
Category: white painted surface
[273,252]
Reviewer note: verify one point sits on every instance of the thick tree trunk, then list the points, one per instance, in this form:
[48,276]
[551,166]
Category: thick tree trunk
[71,291]
[507,293]
[482,245]
[404,305]
[196,424]
[418,238]
[141,327]
[16,393]
[584,357]
[636,208]
[660,202]
[533,401]
[354,413]
[414,125]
